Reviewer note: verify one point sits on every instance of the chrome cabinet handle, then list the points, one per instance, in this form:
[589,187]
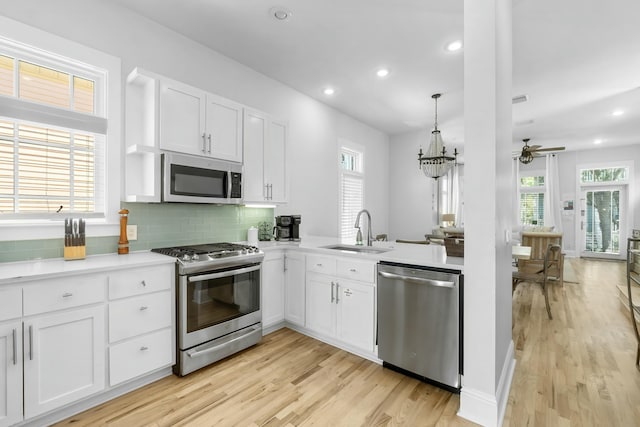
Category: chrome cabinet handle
[144,348]
[332,297]
[318,265]
[209,138]
[143,308]
[67,295]
[30,342]
[15,347]
[337,292]
[353,270]
[204,142]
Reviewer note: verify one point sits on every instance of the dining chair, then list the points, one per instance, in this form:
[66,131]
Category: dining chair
[551,270]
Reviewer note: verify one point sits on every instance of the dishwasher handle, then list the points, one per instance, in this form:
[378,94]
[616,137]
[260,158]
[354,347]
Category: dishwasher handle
[420,280]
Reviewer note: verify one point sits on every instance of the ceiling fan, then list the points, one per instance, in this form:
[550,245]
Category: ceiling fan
[531,151]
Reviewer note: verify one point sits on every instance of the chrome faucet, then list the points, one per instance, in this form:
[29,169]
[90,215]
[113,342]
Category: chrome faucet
[357,225]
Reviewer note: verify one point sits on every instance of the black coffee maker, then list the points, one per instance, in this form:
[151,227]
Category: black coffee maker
[287,227]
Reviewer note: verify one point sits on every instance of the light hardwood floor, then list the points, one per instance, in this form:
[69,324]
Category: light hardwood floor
[577,369]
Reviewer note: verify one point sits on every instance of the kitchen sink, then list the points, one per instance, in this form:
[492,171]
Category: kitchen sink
[357,249]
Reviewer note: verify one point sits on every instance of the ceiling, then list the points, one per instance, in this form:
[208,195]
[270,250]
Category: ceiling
[576,60]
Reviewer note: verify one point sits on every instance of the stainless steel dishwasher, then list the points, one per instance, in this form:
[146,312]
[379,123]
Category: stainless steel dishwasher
[419,322]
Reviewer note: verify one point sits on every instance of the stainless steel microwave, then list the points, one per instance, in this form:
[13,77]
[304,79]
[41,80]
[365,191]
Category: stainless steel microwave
[192,179]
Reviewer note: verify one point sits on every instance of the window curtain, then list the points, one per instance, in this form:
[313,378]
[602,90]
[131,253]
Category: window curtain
[451,190]
[552,206]
[515,198]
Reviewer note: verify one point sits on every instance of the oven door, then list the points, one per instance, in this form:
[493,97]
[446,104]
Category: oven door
[217,303]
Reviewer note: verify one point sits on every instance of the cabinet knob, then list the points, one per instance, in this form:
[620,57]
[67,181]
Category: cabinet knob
[353,270]
[144,348]
[143,308]
[67,295]
[143,283]
[318,265]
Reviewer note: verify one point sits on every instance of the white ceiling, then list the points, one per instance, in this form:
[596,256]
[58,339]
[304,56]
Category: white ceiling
[577,60]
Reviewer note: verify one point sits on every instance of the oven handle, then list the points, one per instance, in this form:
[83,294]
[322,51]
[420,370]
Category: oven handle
[224,273]
[196,353]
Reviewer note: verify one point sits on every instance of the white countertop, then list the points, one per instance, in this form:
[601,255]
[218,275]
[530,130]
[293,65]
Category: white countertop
[21,271]
[403,253]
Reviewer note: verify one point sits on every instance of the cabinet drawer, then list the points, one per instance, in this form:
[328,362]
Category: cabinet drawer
[139,281]
[67,292]
[321,264]
[10,303]
[139,356]
[138,315]
[357,270]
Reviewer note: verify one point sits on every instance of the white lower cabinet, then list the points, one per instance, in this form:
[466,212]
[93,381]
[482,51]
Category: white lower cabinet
[10,372]
[141,313]
[140,355]
[356,314]
[273,288]
[337,306]
[294,282]
[54,337]
[64,358]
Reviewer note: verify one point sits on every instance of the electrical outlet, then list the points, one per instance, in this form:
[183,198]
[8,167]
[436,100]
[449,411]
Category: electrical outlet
[132,232]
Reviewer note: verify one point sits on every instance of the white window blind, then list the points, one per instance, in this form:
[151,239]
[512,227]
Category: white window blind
[52,135]
[532,208]
[352,190]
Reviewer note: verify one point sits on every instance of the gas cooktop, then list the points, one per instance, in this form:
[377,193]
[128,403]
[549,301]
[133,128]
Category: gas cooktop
[198,258]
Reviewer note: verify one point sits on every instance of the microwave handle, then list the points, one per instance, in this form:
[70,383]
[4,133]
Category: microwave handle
[229,182]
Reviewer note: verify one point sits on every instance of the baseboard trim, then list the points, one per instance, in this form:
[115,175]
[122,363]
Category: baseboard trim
[484,408]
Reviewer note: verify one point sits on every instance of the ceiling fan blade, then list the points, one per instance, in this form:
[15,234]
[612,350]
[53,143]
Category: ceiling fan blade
[534,147]
[550,149]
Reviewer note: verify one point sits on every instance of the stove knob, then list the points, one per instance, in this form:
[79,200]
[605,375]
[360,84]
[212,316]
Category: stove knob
[244,251]
[186,257]
[195,257]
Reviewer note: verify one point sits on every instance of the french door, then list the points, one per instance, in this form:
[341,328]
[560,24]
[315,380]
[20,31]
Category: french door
[603,221]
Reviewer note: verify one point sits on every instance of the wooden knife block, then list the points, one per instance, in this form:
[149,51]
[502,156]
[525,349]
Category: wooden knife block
[74,252]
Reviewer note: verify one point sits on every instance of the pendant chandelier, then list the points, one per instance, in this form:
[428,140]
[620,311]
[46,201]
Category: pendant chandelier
[435,162]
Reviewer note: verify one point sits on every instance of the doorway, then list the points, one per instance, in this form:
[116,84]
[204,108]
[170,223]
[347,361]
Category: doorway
[603,221]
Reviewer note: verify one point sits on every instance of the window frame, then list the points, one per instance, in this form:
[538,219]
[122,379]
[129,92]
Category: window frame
[52,48]
[359,151]
[538,189]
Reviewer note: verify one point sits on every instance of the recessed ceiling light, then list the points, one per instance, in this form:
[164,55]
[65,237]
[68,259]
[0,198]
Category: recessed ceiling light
[617,113]
[454,46]
[329,91]
[382,72]
[280,13]
[597,141]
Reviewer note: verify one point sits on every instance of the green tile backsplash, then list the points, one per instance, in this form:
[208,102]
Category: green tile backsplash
[159,225]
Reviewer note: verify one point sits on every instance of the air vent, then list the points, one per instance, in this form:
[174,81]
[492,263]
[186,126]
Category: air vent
[520,98]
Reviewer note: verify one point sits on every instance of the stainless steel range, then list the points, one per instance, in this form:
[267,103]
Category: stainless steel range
[218,302]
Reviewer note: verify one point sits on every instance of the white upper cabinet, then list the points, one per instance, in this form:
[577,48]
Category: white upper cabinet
[265,144]
[195,122]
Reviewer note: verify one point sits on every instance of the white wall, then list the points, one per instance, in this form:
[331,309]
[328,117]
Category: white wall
[314,127]
[411,202]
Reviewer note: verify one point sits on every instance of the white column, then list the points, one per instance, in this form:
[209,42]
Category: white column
[488,348]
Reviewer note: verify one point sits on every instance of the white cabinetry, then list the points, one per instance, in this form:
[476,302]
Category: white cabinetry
[340,300]
[163,114]
[63,358]
[294,295]
[10,355]
[141,310]
[273,288]
[265,142]
[54,335]
[195,122]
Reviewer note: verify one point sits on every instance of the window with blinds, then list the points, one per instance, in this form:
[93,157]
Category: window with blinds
[351,192]
[52,136]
